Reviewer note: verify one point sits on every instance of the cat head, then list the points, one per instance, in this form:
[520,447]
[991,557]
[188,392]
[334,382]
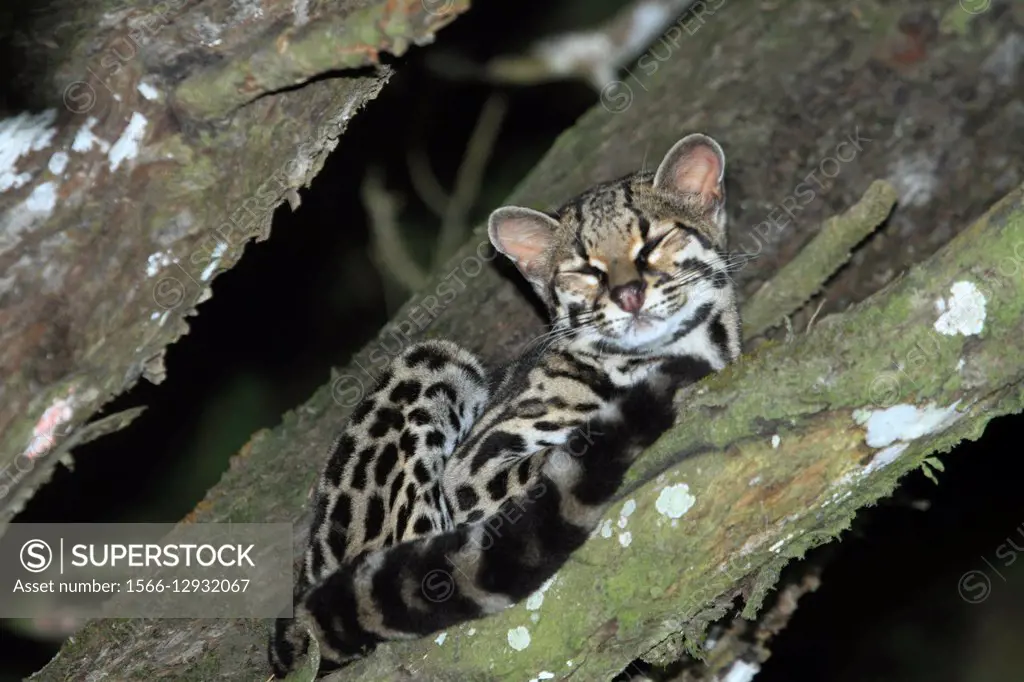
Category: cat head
[626,265]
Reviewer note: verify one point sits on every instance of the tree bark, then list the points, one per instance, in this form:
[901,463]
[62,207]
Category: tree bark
[812,102]
[121,209]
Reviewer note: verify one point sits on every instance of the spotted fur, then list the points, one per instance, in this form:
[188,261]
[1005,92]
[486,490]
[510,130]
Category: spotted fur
[635,278]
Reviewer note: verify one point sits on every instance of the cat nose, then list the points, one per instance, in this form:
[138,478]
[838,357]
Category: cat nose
[629,297]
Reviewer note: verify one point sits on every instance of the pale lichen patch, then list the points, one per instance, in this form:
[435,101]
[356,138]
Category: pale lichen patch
[837,497]
[43,198]
[534,601]
[86,140]
[218,251]
[674,500]
[778,545]
[627,509]
[127,146]
[904,422]
[57,163]
[156,262]
[885,457]
[625,538]
[775,441]
[147,91]
[440,638]
[519,638]
[849,478]
[963,312]
[19,136]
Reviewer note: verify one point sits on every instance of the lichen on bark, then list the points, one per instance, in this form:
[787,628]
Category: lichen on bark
[124,210]
[781,105]
[751,477]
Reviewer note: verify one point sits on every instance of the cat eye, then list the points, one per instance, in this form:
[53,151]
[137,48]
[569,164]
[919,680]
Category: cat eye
[645,250]
[588,270]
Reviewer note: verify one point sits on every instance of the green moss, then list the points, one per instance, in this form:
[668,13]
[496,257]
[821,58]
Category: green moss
[809,489]
[956,21]
[397,26]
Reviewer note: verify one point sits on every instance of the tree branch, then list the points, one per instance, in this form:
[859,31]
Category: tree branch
[346,38]
[781,105]
[596,55]
[768,459]
[806,274]
[382,210]
[86,312]
[454,222]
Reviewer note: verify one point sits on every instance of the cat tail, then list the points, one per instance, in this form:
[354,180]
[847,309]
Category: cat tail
[433,583]
[438,378]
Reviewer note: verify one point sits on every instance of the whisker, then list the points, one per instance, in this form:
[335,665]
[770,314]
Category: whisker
[557,333]
[734,261]
[686,276]
[543,338]
[565,333]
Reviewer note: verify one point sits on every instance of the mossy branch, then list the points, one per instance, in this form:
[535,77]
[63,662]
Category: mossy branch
[340,40]
[768,459]
[75,333]
[819,260]
[780,104]
[596,55]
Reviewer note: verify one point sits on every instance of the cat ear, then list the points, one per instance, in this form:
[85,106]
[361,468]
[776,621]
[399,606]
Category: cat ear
[695,167]
[525,236]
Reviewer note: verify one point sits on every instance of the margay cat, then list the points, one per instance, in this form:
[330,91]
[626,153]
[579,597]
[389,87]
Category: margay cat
[445,498]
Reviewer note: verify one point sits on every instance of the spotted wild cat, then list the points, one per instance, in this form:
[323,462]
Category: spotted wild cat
[448,497]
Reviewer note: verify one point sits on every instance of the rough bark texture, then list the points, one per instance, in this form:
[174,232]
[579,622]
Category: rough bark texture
[778,453]
[120,212]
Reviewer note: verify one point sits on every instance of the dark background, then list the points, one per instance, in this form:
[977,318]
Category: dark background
[889,607]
